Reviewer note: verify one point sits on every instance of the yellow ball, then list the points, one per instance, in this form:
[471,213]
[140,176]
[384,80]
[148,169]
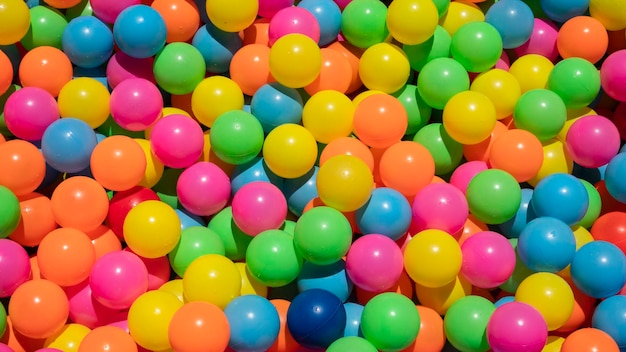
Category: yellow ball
[555,160]
[412,22]
[501,87]
[364,94]
[86,99]
[328,115]
[15,21]
[460,13]
[611,13]
[433,258]
[154,167]
[441,298]
[344,182]
[553,344]
[174,287]
[214,96]
[290,150]
[149,319]
[249,284]
[232,15]
[295,60]
[469,117]
[152,229]
[384,67]
[212,278]
[531,71]
[68,338]
[550,294]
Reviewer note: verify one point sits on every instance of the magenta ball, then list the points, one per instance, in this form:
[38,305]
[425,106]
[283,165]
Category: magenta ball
[268,8]
[158,270]
[118,278]
[293,20]
[592,141]
[14,266]
[122,66]
[29,111]
[259,206]
[86,310]
[177,140]
[136,104]
[5,348]
[108,10]
[464,173]
[203,188]
[613,75]
[542,40]
[516,327]
[488,259]
[374,263]
[440,206]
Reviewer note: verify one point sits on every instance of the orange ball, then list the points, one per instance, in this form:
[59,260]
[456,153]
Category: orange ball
[353,54]
[182,18]
[104,241]
[257,33]
[36,222]
[19,342]
[481,151]
[284,342]
[38,308]
[62,4]
[118,163]
[589,340]
[431,337]
[199,326]
[336,73]
[407,167]
[6,72]
[107,339]
[80,202]
[23,166]
[65,256]
[250,68]
[45,67]
[583,36]
[511,147]
[348,146]
[583,310]
[380,120]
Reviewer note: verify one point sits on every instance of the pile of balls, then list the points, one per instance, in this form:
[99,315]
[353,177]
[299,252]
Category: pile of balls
[282,175]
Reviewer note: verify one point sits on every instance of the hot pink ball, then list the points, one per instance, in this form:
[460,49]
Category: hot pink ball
[268,8]
[374,263]
[136,104]
[86,310]
[542,40]
[293,20]
[14,266]
[158,270]
[203,188]
[592,141]
[177,140]
[464,173]
[488,259]
[503,63]
[108,10]
[121,67]
[613,75]
[516,327]
[29,111]
[5,348]
[118,278]
[440,206]
[259,206]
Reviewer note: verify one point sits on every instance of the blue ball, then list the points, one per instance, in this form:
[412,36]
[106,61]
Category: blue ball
[87,42]
[274,104]
[561,11]
[513,227]
[300,191]
[188,219]
[316,318]
[614,177]
[513,19]
[253,171]
[216,46]
[354,311]
[561,196]
[599,269]
[387,212]
[67,145]
[140,31]
[328,14]
[504,300]
[332,278]
[610,317]
[254,323]
[546,244]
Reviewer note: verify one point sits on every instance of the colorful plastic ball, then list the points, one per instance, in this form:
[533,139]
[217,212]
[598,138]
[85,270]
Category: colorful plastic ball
[559,12]
[45,67]
[113,271]
[384,67]
[344,182]
[368,115]
[550,294]
[259,206]
[80,202]
[290,150]
[36,219]
[407,167]
[439,206]
[139,31]
[513,19]
[546,244]
[203,188]
[272,258]
[274,104]
[6,73]
[488,259]
[612,17]
[351,343]
[469,106]
[23,165]
[598,269]
[149,319]
[86,99]
[87,41]
[532,71]
[16,18]
[103,338]
[250,69]
[331,277]
[374,262]
[295,60]
[517,144]
[612,72]
[516,327]
[465,323]
[152,229]
[122,202]
[201,326]
[584,37]
[177,140]
[592,141]
[236,137]
[195,241]
[576,81]
[418,112]
[216,46]
[179,68]
[363,23]
[46,28]
[608,317]
[254,323]
[117,153]
[122,66]
[460,13]
[335,74]
[29,111]
[65,256]
[565,190]
[67,145]
[387,212]
[610,227]
[212,278]
[213,97]
[328,115]
[145,99]
[354,312]
[235,241]
[589,339]
[182,18]
[493,196]
[232,17]
[465,172]
[15,262]
[390,321]
[477,46]
[432,246]
[293,19]
[446,152]
[501,87]
[402,17]
[108,12]
[316,318]
[438,45]
[322,235]
[328,15]
[542,112]
[542,40]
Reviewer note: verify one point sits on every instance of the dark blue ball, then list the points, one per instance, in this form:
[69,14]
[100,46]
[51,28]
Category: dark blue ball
[316,318]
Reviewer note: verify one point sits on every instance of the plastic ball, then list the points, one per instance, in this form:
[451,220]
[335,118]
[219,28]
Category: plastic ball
[371,111]
[65,256]
[446,152]
[80,202]
[322,235]
[542,40]
[45,67]
[465,323]
[46,28]
[541,112]
[139,31]
[464,173]
[122,202]
[335,74]
[610,227]
[406,167]
[254,323]
[352,343]
[122,66]
[177,140]
[145,99]
[237,137]
[274,104]
[36,219]
[363,23]
[293,19]
[438,45]
[259,206]
[67,145]
[390,321]
[516,327]
[86,99]
[331,277]
[460,13]
[212,278]
[469,106]
[250,68]
[290,150]
[558,12]
[608,317]
[24,167]
[6,73]
[328,15]
[14,260]
[598,269]
[545,235]
[195,241]
[441,298]
[179,68]
[477,46]
[322,108]
[201,326]
[611,73]
[107,11]
[418,112]
[272,258]
[402,17]
[295,60]
[117,153]
[439,206]
[29,111]
[592,129]
[493,196]
[316,318]
[440,79]
[103,338]
[488,259]
[391,210]
[207,176]
[149,319]
[384,67]
[531,71]
[584,37]
[589,339]
[501,87]
[235,241]
[114,270]
[555,160]
[182,18]
[16,19]
[565,190]
[344,182]
[575,72]
[550,294]
[374,262]
[432,246]
[517,144]
[216,46]
[513,19]
[69,338]
[87,41]
[152,229]
[232,17]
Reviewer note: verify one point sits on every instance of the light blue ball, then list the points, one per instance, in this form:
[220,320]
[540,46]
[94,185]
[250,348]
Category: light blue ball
[274,104]
[67,145]
[300,191]
[328,14]
[254,323]
[87,42]
[513,19]
[387,212]
[217,47]
[140,31]
[332,278]
[546,244]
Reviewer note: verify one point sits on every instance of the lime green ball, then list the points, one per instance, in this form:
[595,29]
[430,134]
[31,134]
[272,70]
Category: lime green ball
[179,68]
[322,235]
[195,242]
[390,321]
[10,212]
[465,323]
[351,343]
[494,196]
[272,258]
[236,137]
[234,240]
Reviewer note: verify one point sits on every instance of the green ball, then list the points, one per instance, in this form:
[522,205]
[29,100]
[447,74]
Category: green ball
[236,137]
[477,46]
[364,23]
[594,208]
[520,272]
[3,320]
[46,28]
[440,79]
[446,152]
[541,112]
[351,344]
[235,241]
[322,235]
[493,196]
[10,212]
[82,9]
[465,323]
[4,130]
[390,321]
[442,6]
[179,68]
[194,242]
[289,226]
[111,128]
[437,46]
[272,258]
[576,81]
[417,110]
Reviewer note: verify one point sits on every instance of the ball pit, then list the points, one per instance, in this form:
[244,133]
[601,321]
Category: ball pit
[283,175]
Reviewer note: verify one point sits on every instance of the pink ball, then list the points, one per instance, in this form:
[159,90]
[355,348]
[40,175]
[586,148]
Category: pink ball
[47,349]
[293,20]
[503,63]
[464,173]
[592,141]
[342,3]
[121,67]
[86,310]
[118,278]
[516,327]
[203,188]
[613,75]
[177,140]
[268,8]
[136,104]
[488,259]
[122,324]
[259,206]
[542,40]
[108,10]
[158,270]
[14,267]
[374,263]
[5,348]
[29,111]
[440,206]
